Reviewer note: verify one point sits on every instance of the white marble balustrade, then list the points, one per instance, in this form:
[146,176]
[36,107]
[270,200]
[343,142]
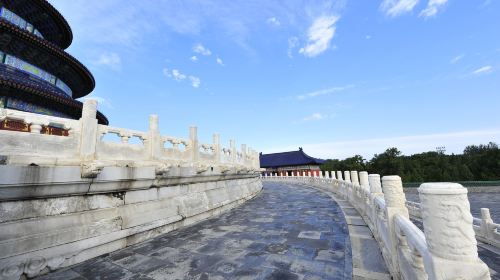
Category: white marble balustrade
[87,146]
[446,249]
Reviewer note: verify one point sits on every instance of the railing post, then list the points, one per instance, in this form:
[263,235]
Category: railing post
[243,154]
[347,176]
[363,180]
[154,141]
[232,147]
[216,143]
[339,175]
[88,132]
[395,205]
[486,221]
[354,178]
[333,175]
[449,232]
[193,136]
[375,186]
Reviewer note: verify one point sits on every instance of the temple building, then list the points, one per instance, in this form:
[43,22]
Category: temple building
[295,163]
[36,74]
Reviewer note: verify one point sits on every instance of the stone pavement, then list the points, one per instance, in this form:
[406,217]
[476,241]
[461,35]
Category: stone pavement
[286,232]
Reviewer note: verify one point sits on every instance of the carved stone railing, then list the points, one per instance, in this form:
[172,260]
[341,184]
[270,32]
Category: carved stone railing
[446,249]
[485,229]
[84,142]
[70,197]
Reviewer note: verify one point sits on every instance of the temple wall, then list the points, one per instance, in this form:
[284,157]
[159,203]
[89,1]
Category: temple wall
[70,197]
[63,228]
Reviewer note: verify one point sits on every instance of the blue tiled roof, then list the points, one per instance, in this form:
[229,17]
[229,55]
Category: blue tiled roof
[288,159]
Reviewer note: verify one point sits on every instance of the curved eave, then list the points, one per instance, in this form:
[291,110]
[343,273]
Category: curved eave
[47,56]
[45,18]
[45,97]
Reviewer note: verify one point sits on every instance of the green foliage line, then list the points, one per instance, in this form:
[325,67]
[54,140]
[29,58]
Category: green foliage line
[477,163]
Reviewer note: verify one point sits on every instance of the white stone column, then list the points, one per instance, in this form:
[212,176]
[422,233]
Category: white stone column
[449,232]
[195,149]
[216,143]
[354,178]
[327,174]
[339,175]
[363,180]
[486,223]
[309,173]
[395,205]
[244,154]
[333,174]
[347,176]
[154,142]
[375,185]
[88,132]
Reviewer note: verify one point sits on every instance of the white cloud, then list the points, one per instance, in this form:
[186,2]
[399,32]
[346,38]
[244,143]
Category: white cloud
[111,60]
[273,21]
[483,70]
[368,37]
[454,142]
[178,76]
[432,8]
[199,48]
[194,58]
[395,8]
[314,117]
[219,61]
[320,34]
[457,58]
[195,81]
[292,44]
[326,91]
[166,72]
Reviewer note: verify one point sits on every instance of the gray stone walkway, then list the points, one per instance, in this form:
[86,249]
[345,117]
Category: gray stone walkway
[286,232]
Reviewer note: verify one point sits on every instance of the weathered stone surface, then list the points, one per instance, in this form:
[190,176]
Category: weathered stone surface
[60,233]
[287,232]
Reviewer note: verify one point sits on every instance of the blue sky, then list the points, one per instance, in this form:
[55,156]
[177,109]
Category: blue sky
[335,77]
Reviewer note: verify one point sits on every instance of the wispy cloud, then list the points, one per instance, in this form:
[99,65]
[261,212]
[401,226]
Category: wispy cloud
[219,61]
[111,60]
[292,44]
[396,8]
[199,48]
[326,91]
[433,6]
[273,21]
[194,58]
[314,117]
[195,81]
[319,35]
[483,70]
[457,58]
[454,142]
[179,77]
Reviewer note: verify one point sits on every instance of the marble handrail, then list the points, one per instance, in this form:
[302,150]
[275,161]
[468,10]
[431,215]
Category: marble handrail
[446,249]
[85,144]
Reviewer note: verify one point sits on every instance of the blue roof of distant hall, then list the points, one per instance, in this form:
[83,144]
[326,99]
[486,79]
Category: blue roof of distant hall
[288,159]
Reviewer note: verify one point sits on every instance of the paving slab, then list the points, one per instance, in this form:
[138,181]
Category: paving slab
[286,232]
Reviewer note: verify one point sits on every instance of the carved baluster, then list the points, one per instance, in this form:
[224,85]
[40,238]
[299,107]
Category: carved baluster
[339,175]
[449,232]
[395,205]
[347,176]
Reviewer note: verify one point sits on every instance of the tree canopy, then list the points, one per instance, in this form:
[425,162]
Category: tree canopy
[477,163]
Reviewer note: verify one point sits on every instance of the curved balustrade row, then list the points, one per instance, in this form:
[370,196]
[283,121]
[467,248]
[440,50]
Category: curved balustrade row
[85,143]
[485,229]
[446,249]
